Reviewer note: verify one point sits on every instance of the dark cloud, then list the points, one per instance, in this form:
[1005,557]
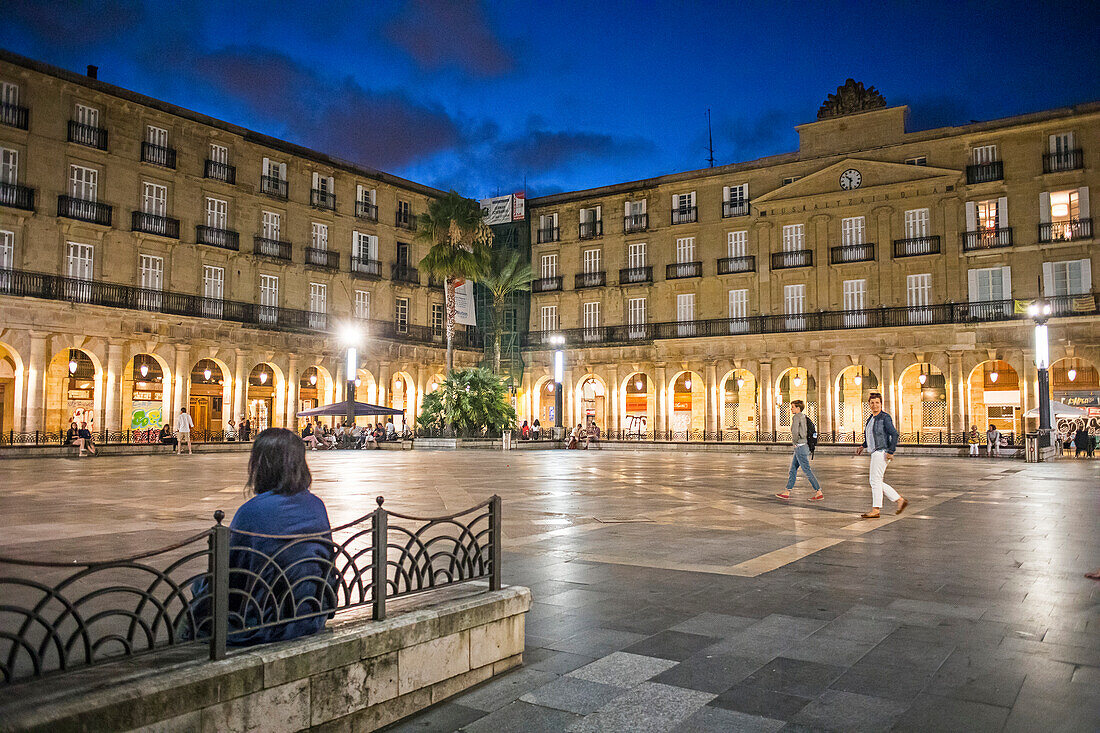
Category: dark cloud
[76,21]
[539,149]
[439,34]
[737,139]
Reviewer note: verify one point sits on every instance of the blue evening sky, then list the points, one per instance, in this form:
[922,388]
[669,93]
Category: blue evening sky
[481,96]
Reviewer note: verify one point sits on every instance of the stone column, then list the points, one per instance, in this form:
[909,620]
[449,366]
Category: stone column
[568,399]
[963,408]
[661,395]
[421,389]
[712,400]
[613,396]
[112,387]
[240,386]
[36,383]
[825,395]
[292,379]
[890,393]
[954,387]
[183,378]
[383,382]
[767,397]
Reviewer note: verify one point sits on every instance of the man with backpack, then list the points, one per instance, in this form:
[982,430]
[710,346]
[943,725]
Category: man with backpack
[804,438]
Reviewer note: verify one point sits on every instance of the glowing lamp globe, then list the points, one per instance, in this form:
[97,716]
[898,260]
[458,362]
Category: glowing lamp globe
[206,374]
[687,383]
[798,381]
[1072,374]
[72,366]
[263,377]
[313,379]
[144,369]
[858,380]
[922,378]
[740,382]
[993,376]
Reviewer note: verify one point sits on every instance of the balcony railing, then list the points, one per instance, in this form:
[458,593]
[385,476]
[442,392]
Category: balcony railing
[325,258]
[366,267]
[404,221]
[897,317]
[92,211]
[635,275]
[366,210]
[1065,231]
[404,273]
[1068,160]
[269,247]
[164,226]
[546,284]
[591,229]
[915,246]
[635,223]
[547,235]
[322,199]
[863,252]
[678,270]
[987,239]
[215,237]
[796,258]
[13,115]
[16,196]
[158,155]
[730,265]
[685,215]
[985,172]
[590,280]
[734,208]
[273,186]
[93,137]
[216,171]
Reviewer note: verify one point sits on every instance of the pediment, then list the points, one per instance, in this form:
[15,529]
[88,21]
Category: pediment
[875,174]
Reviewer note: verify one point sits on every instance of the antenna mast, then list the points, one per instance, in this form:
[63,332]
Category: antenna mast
[710,140]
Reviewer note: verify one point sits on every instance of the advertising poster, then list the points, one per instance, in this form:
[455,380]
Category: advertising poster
[519,206]
[497,210]
[464,303]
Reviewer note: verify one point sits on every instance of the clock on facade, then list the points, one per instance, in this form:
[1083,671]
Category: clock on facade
[850,179]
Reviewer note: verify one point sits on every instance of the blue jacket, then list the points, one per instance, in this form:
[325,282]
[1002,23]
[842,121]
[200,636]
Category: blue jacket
[886,435]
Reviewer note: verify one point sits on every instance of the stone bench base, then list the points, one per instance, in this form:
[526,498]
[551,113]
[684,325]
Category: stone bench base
[358,675]
[115,449]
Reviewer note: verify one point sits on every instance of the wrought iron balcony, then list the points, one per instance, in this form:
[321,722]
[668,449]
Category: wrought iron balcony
[1069,160]
[734,208]
[366,210]
[158,155]
[273,248]
[916,246]
[547,235]
[215,237]
[164,226]
[590,280]
[13,115]
[546,284]
[985,172]
[322,199]
[404,221]
[1065,231]
[16,196]
[635,223]
[366,267]
[404,273]
[93,137]
[730,265]
[987,239]
[273,186]
[591,229]
[219,171]
[863,252]
[685,216]
[91,211]
[678,270]
[324,258]
[635,275]
[797,258]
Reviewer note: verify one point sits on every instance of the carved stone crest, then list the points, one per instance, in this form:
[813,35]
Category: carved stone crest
[849,99]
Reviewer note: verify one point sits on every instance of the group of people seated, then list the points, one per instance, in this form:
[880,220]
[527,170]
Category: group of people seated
[80,437]
[322,437]
[530,432]
[579,434]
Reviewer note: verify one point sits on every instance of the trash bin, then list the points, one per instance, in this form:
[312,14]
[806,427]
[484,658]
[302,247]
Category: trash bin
[1032,453]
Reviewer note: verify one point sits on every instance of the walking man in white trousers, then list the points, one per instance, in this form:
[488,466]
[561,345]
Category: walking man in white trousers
[880,439]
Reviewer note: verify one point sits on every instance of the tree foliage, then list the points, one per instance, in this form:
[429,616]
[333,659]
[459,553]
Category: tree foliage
[505,273]
[469,400]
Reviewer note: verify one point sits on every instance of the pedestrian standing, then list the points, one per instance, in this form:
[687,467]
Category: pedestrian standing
[184,423]
[992,441]
[880,439]
[245,429]
[800,437]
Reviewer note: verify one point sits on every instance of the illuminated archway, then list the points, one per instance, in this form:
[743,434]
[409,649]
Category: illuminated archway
[402,396]
[1075,382]
[11,389]
[73,386]
[543,401]
[146,390]
[266,396]
[687,401]
[638,404]
[740,413]
[793,384]
[922,403]
[210,398]
[854,386]
[994,397]
[591,401]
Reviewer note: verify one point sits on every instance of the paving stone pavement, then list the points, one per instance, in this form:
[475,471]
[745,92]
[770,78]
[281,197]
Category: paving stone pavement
[673,593]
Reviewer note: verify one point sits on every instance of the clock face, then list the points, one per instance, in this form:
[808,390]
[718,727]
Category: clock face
[850,179]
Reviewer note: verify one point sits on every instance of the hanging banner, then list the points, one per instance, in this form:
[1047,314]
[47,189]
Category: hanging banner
[519,206]
[497,210]
[464,303]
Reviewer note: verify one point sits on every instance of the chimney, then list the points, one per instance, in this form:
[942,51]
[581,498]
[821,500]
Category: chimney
[93,72]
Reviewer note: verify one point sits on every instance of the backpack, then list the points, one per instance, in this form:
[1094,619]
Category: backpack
[811,436]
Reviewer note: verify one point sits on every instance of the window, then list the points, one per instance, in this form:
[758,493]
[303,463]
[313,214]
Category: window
[274,169]
[362,304]
[685,307]
[9,93]
[794,237]
[635,209]
[549,318]
[1073,277]
[401,315]
[739,303]
[548,228]
[156,136]
[855,296]
[918,290]
[549,266]
[735,243]
[7,250]
[790,179]
[794,299]
[685,250]
[217,213]
[79,269]
[272,224]
[591,260]
[324,184]
[269,298]
[318,305]
[83,183]
[851,231]
[437,320]
[636,311]
[1062,143]
[154,199]
[152,272]
[987,214]
[736,194]
[1063,206]
[1064,215]
[320,235]
[916,223]
[86,115]
[989,283]
[683,207]
[364,246]
[219,154]
[213,289]
[918,160]
[404,212]
[984,154]
[591,318]
[592,215]
[9,166]
[364,194]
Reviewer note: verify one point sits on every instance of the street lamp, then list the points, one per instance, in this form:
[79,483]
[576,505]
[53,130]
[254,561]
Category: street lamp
[558,341]
[1040,311]
[351,337]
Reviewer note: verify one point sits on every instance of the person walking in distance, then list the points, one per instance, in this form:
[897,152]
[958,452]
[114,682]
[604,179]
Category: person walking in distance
[880,439]
[801,428]
[184,423]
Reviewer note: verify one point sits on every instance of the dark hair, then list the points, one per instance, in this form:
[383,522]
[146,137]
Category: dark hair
[278,463]
[799,404]
[874,396]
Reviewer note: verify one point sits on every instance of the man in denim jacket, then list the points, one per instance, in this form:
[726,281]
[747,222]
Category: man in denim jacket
[880,439]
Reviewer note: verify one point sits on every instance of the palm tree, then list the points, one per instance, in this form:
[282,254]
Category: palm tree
[506,273]
[459,239]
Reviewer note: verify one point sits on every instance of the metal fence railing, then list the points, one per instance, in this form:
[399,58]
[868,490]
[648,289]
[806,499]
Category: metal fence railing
[215,585]
[150,436]
[931,436]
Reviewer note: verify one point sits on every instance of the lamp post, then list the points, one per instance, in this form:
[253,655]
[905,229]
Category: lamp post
[559,375]
[1040,311]
[351,337]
